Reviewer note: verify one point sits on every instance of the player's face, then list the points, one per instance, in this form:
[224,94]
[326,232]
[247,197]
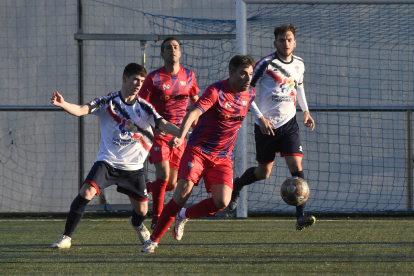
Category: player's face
[172,52]
[240,80]
[133,84]
[285,44]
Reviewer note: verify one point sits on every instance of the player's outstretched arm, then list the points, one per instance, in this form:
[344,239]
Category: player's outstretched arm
[73,109]
[166,126]
[191,116]
[307,120]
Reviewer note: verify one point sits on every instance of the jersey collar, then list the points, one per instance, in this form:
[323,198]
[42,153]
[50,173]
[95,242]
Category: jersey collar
[281,60]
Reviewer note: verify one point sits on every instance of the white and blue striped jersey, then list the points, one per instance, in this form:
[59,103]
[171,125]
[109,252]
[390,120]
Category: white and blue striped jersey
[126,134]
[280,84]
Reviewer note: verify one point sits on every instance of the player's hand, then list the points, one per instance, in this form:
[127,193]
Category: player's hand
[57,99]
[308,121]
[175,142]
[266,126]
[160,132]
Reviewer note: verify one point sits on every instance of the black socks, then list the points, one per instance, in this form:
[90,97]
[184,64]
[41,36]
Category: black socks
[75,214]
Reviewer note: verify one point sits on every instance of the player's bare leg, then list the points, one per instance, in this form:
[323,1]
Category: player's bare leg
[77,209]
[251,175]
[294,164]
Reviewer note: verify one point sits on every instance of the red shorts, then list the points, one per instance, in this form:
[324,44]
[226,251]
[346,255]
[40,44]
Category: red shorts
[214,170]
[160,151]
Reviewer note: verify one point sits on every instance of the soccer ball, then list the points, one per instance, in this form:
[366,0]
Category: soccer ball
[294,191]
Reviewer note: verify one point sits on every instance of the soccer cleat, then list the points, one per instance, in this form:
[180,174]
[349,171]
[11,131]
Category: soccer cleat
[63,242]
[149,246]
[178,229]
[154,224]
[142,231]
[305,221]
[234,196]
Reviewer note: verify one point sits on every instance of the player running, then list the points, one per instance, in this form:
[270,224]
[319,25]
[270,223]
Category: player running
[126,138]
[208,154]
[280,80]
[168,90]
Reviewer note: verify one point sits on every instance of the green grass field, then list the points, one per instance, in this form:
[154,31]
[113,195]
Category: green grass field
[265,246]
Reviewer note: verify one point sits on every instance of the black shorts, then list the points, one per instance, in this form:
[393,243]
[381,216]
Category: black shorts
[286,141]
[131,183]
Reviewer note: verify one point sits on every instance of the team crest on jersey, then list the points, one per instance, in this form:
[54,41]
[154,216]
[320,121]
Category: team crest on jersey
[244,103]
[228,105]
[157,149]
[297,68]
[166,86]
[183,83]
[139,112]
[190,165]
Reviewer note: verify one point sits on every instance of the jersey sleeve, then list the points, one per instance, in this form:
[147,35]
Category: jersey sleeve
[147,88]
[153,116]
[194,88]
[208,99]
[97,105]
[258,71]
[255,110]
[300,94]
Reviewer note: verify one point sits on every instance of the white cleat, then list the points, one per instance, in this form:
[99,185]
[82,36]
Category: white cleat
[142,231]
[178,229]
[63,242]
[149,246]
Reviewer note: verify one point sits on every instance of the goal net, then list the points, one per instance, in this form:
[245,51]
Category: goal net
[358,82]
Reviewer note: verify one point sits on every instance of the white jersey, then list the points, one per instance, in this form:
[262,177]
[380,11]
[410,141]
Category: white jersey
[281,87]
[126,134]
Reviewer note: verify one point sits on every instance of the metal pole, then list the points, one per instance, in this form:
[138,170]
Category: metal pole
[409,157]
[240,160]
[143,63]
[143,55]
[81,164]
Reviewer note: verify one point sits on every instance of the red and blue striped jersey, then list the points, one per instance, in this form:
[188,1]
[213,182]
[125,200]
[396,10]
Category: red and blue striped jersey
[169,93]
[223,112]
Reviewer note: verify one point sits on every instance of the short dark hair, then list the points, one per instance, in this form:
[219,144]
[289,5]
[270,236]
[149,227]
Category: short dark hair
[166,40]
[284,29]
[135,68]
[240,60]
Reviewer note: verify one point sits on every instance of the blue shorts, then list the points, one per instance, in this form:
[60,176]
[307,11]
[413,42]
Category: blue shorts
[286,141]
[131,183]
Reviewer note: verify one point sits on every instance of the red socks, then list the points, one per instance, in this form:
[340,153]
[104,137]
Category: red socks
[166,219]
[204,208]
[158,192]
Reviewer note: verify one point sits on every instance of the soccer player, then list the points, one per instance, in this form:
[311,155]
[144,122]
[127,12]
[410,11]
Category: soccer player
[126,138]
[280,80]
[223,107]
[168,90]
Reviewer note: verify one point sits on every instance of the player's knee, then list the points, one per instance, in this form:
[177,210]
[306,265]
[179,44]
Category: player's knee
[221,203]
[87,191]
